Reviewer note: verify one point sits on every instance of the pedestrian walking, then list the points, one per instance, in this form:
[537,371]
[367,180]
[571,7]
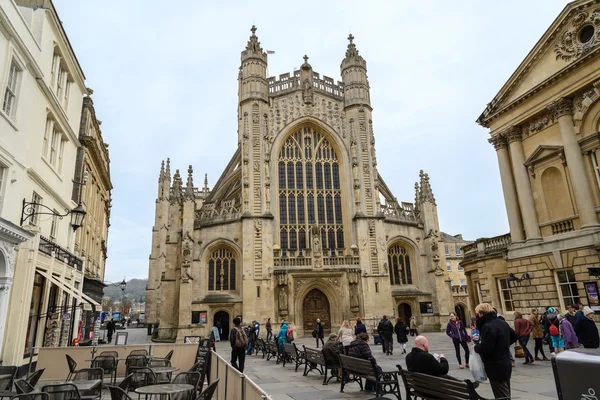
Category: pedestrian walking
[239,343]
[458,333]
[386,331]
[568,332]
[320,331]
[579,313]
[550,313]
[345,336]
[512,359]
[586,330]
[252,336]
[413,326]
[537,333]
[269,329]
[523,327]
[401,333]
[360,327]
[494,348]
[110,329]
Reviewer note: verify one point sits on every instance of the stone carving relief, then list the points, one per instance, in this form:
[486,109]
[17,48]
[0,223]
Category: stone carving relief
[288,109]
[537,124]
[186,250]
[307,91]
[581,38]
[282,278]
[283,298]
[9,251]
[354,302]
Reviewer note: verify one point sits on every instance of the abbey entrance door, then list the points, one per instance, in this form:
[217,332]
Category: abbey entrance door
[315,306]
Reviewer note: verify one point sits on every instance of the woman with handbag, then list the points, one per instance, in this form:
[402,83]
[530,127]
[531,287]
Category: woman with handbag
[523,327]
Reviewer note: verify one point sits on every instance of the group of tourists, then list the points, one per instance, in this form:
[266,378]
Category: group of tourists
[559,331]
[491,338]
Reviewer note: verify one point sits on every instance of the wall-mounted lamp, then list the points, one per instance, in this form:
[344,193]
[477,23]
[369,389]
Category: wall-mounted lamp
[594,272]
[513,281]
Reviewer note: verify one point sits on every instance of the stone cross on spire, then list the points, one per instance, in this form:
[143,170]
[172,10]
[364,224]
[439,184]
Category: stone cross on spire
[352,51]
[253,30]
[305,58]
[189,188]
[306,65]
[162,171]
[168,170]
[205,188]
[253,43]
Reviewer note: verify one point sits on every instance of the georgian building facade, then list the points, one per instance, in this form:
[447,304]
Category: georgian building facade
[42,299]
[544,125]
[301,224]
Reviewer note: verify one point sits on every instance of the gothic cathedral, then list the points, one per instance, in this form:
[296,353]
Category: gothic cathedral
[300,225]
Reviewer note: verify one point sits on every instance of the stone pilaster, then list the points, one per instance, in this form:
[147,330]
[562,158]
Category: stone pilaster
[514,138]
[508,188]
[562,110]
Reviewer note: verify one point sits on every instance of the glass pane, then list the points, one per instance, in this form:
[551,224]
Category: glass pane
[570,275]
[211,275]
[401,269]
[218,275]
[310,203]
[408,270]
[293,239]
[321,209]
[232,275]
[327,168]
[225,274]
[340,238]
[329,208]
[300,209]
[290,176]
[324,238]
[292,209]
[319,175]
[282,175]
[336,176]
[282,210]
[338,209]
[299,177]
[503,283]
[284,241]
[301,239]
[331,240]
[309,175]
[562,276]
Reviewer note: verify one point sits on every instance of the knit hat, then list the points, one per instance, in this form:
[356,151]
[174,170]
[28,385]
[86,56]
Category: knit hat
[587,310]
[560,317]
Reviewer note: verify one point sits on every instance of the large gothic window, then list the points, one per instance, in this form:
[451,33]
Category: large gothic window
[309,192]
[221,270]
[399,261]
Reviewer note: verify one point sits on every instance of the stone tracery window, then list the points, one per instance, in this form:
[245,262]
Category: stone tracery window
[399,261]
[221,270]
[309,192]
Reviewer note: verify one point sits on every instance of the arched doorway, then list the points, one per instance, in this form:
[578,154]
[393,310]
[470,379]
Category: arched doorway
[459,310]
[316,305]
[404,312]
[221,321]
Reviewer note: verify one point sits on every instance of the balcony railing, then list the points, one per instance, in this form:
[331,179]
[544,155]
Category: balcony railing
[486,247]
[563,226]
[53,250]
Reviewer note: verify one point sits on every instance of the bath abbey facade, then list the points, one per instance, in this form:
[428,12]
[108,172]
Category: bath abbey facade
[300,225]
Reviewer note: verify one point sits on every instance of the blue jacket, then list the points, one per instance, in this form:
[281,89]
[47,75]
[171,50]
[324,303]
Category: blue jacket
[282,336]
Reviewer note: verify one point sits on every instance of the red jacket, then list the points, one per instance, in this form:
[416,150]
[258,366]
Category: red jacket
[523,326]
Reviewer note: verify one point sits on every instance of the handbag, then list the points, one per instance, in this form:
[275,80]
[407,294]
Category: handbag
[519,352]
[314,333]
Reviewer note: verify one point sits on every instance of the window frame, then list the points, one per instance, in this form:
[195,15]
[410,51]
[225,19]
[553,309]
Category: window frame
[508,290]
[446,250]
[54,225]
[35,218]
[449,266]
[15,73]
[216,282]
[572,284]
[3,182]
[457,250]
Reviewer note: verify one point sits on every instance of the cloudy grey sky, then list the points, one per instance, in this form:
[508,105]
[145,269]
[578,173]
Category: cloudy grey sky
[164,76]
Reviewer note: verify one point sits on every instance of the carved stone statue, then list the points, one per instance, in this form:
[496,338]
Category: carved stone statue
[283,298]
[354,303]
[307,92]
[316,242]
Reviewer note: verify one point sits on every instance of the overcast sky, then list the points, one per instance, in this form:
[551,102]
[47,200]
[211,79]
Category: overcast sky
[165,85]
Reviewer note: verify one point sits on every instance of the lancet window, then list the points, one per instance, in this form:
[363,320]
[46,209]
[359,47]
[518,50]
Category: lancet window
[309,193]
[399,261]
[221,270]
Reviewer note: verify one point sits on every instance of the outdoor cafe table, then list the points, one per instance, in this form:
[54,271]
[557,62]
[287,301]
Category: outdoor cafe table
[167,388]
[82,386]
[163,370]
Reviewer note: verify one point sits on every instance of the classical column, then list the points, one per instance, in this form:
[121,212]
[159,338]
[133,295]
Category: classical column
[562,109]
[4,299]
[508,188]
[524,194]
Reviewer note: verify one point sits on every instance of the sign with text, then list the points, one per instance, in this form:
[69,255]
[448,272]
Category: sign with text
[121,338]
[191,339]
[591,292]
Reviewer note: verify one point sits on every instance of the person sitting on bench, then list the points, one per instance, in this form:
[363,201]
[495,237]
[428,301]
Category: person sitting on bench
[421,361]
[359,348]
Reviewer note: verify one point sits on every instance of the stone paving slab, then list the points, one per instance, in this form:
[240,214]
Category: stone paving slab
[529,382]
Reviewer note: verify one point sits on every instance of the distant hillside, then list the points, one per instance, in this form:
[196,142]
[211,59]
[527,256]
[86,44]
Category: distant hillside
[135,290]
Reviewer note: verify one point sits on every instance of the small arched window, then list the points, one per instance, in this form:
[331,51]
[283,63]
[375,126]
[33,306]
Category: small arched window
[399,261]
[221,270]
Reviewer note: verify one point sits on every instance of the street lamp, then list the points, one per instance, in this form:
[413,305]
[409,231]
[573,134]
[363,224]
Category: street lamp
[32,208]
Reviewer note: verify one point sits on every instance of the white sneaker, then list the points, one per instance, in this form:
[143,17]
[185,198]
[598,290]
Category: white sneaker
[552,354]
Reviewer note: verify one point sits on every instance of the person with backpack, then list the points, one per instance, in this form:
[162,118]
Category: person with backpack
[386,333]
[558,343]
[239,344]
[281,337]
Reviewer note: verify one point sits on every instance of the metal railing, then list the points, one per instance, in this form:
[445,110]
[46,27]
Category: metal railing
[53,250]
[233,384]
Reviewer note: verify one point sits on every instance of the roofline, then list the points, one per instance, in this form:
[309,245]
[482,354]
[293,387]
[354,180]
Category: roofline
[52,8]
[484,117]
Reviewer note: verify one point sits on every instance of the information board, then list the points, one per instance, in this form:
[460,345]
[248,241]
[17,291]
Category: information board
[216,333]
[203,358]
[121,338]
[191,339]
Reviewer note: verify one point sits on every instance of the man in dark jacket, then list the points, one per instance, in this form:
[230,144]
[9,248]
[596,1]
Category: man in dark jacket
[330,350]
[420,360]
[386,333]
[494,348]
[587,331]
[320,331]
[359,348]
[110,329]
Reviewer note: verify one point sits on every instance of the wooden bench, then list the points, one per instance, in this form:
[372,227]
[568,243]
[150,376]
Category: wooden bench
[429,387]
[290,355]
[315,360]
[260,346]
[386,382]
[271,350]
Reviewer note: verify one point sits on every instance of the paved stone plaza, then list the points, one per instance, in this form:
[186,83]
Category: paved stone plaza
[530,382]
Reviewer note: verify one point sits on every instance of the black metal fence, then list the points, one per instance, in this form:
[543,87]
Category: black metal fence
[52,249]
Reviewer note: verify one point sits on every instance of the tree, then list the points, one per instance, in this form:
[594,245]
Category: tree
[107,304]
